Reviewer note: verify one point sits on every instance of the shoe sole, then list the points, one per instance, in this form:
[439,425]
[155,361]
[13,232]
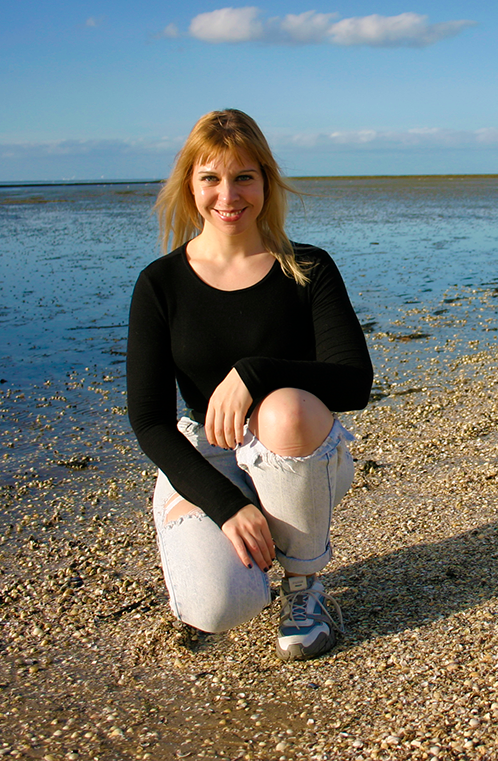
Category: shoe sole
[322,644]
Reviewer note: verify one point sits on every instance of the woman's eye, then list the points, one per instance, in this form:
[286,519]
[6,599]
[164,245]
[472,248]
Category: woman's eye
[209,178]
[244,177]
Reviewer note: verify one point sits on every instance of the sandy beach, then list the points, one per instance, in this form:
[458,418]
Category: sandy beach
[94,667]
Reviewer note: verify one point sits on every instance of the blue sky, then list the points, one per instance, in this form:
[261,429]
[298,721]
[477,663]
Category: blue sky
[110,89]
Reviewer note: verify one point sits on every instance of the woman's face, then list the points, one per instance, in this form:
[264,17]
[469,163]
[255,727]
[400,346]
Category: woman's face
[229,192]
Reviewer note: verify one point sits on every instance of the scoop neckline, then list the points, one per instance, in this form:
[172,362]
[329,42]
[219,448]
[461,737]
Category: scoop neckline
[222,290]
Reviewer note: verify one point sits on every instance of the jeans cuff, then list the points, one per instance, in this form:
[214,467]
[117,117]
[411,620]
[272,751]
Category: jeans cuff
[303,567]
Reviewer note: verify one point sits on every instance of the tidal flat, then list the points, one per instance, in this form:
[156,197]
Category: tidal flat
[93,666]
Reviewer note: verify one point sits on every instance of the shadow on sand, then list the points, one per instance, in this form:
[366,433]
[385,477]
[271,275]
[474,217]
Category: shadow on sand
[417,585]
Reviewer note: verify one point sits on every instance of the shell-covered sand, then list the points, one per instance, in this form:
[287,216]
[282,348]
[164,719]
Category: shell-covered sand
[93,666]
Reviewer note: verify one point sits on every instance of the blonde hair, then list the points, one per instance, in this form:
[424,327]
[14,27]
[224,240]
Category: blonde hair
[215,134]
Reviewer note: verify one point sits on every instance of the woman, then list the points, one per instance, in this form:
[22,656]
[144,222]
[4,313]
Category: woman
[261,337]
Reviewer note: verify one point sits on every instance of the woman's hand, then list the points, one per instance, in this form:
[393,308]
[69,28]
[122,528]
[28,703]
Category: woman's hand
[249,533]
[226,412]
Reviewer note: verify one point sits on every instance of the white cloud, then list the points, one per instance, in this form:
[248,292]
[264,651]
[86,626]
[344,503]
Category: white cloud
[365,139]
[368,151]
[404,30]
[370,139]
[93,22]
[227,25]
[487,136]
[306,28]
[245,25]
[88,147]
[170,31]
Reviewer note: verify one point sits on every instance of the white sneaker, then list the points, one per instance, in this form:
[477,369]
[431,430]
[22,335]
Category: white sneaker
[306,627]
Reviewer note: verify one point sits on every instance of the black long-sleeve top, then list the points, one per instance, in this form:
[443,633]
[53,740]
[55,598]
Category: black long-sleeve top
[275,333]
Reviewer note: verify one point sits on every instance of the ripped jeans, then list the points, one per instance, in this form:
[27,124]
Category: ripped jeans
[209,587]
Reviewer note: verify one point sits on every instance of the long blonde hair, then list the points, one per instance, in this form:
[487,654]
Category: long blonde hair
[215,134]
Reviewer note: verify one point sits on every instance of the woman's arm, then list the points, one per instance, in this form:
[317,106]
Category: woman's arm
[342,374]
[152,410]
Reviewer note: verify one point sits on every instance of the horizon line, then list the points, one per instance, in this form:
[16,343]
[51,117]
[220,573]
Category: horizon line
[64,183]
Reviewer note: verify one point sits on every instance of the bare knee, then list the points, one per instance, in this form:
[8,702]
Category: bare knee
[291,422]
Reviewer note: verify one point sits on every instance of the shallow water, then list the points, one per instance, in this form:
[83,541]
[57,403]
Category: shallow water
[419,257]
[404,241]
[68,261]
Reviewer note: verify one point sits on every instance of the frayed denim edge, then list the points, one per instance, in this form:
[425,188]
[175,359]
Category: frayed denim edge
[253,451]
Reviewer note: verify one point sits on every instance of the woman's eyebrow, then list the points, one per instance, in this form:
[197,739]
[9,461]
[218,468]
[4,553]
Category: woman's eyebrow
[207,170]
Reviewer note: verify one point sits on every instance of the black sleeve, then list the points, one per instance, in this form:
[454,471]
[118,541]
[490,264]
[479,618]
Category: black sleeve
[152,410]
[342,374]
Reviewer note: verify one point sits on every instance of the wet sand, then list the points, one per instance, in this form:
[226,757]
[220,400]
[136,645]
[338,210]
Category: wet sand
[94,667]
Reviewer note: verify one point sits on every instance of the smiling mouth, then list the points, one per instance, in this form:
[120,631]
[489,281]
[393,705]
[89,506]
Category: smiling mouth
[230,214]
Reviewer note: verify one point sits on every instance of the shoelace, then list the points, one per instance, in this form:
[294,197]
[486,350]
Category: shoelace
[297,613]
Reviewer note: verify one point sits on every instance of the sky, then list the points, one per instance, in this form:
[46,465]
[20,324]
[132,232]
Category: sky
[111,88]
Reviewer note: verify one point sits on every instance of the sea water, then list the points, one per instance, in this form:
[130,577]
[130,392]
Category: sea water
[419,256]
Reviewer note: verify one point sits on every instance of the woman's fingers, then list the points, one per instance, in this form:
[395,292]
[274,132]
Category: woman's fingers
[238,428]
[259,551]
[227,410]
[261,546]
[219,431]
[268,540]
[249,533]
[214,428]
[227,433]
[241,550]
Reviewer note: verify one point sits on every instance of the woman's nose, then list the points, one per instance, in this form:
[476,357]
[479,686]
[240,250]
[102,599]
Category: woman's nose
[228,190]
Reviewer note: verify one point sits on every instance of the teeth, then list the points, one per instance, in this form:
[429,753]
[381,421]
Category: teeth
[229,214]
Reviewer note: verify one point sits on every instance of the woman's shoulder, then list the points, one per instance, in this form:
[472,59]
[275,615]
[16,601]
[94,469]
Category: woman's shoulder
[313,259]
[165,265]
[312,253]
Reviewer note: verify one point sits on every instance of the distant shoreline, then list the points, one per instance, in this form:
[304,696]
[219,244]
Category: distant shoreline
[396,177]
[74,183]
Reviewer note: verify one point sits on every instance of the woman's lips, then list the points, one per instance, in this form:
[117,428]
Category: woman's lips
[230,215]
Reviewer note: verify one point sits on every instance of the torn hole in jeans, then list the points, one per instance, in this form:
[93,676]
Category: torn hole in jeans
[171,503]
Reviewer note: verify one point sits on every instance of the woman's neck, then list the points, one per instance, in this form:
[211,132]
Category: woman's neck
[212,244]
[229,264]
